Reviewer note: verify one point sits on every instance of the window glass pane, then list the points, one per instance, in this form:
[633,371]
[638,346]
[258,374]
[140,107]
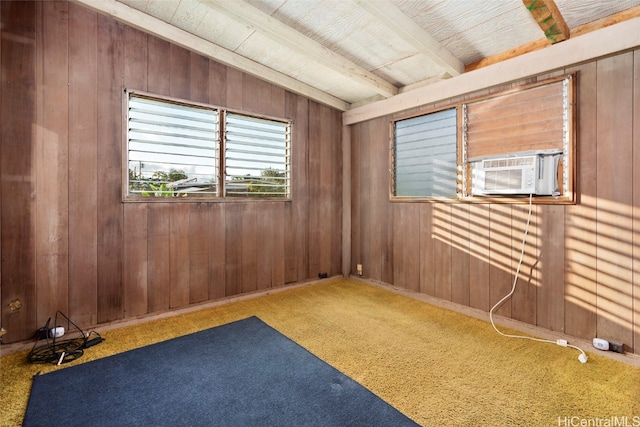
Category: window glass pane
[172,148]
[256,157]
[425,155]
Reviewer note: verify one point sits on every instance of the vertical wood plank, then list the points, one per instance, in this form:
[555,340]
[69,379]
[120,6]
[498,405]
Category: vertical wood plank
[249,250]
[336,192]
[406,249]
[250,88]
[479,262]
[378,197]
[278,238]
[399,246]
[135,269]
[179,261]
[427,252]
[135,236]
[110,59]
[300,155]
[180,66]
[199,78]
[278,103]
[263,97]
[388,261]
[235,88]
[158,62]
[265,234]
[233,253]
[179,72]
[158,214]
[615,198]
[412,254]
[217,83]
[199,257]
[135,59]
[18,112]
[636,203]
[158,273]
[356,198]
[314,189]
[364,158]
[442,250]
[290,236]
[83,246]
[293,245]
[500,279]
[326,203]
[580,239]
[217,245]
[52,164]
[523,301]
[460,254]
[550,296]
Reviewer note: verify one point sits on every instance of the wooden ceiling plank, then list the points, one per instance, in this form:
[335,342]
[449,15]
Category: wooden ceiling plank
[407,29]
[607,21]
[616,18]
[549,18]
[604,42]
[287,36]
[170,33]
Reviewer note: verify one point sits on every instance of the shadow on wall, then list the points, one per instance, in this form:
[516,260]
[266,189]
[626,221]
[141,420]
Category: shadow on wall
[587,277]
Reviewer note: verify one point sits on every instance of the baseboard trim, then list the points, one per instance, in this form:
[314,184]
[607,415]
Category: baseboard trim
[6,349]
[536,331]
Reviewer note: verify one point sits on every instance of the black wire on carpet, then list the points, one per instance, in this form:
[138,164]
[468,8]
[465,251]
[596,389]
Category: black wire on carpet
[61,351]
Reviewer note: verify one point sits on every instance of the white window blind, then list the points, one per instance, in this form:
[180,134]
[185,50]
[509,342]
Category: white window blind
[257,157]
[425,155]
[172,148]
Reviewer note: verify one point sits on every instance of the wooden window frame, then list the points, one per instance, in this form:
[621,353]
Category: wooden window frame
[220,144]
[567,173]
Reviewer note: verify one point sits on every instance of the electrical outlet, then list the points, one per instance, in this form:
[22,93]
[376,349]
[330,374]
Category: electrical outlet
[618,347]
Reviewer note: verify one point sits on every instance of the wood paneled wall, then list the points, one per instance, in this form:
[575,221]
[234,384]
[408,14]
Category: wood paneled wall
[581,268]
[69,243]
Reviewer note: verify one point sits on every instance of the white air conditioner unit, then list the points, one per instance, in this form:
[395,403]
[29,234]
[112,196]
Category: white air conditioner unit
[528,172]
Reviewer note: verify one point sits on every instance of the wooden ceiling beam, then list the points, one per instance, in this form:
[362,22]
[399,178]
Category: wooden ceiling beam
[607,21]
[549,18]
[408,30]
[621,37]
[287,36]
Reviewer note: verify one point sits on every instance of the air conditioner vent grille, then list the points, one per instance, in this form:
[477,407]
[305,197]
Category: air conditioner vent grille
[503,179]
[509,162]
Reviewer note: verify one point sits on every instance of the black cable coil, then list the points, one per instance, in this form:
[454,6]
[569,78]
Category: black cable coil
[61,351]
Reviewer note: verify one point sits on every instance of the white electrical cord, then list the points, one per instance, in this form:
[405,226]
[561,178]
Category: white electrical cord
[583,356]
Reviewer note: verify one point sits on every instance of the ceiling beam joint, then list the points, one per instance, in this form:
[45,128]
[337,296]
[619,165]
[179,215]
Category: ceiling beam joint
[301,44]
[549,19]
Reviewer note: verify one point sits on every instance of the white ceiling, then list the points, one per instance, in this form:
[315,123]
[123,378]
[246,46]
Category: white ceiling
[347,53]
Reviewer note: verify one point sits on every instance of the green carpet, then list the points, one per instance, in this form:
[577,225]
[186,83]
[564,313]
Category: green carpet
[436,366]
